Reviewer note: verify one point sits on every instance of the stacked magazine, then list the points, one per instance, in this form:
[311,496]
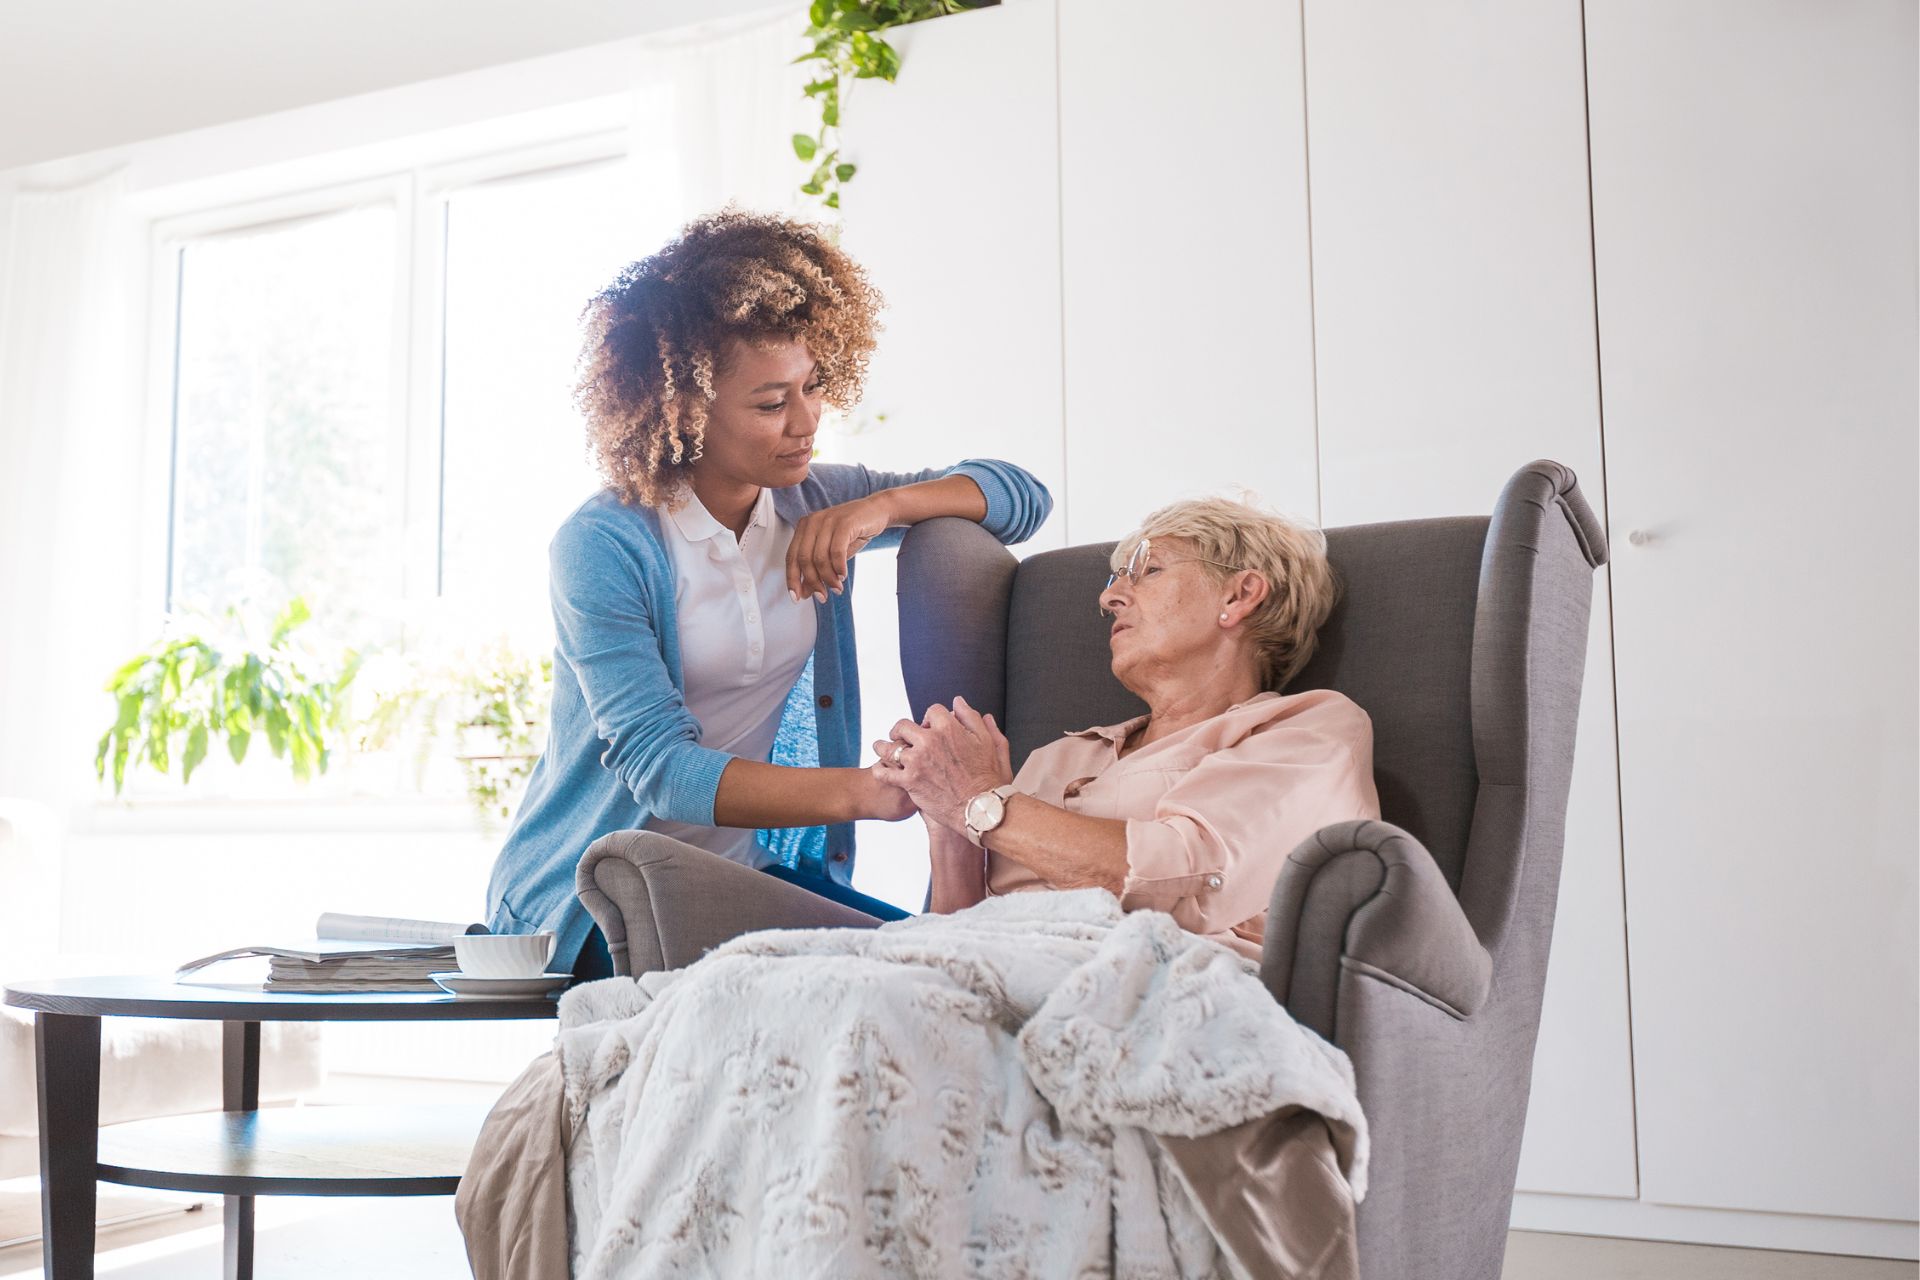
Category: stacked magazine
[355,953]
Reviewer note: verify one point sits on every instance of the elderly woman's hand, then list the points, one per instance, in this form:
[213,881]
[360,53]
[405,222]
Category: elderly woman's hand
[945,762]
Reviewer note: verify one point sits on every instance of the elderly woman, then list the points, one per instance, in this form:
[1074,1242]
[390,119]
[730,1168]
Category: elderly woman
[1192,808]
[1001,1090]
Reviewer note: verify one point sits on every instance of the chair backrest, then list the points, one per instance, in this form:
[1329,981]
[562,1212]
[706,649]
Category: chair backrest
[1401,642]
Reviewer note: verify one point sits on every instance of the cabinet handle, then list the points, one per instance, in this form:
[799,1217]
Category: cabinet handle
[1641,537]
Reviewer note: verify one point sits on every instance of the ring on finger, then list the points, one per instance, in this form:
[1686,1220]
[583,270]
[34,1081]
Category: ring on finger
[893,757]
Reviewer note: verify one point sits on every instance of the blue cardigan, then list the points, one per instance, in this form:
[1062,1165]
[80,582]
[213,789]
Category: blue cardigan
[623,747]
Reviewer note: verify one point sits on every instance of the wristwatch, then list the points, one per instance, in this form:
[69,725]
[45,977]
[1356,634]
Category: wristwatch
[985,812]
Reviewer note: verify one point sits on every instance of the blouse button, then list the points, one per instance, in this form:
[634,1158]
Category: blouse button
[1213,882]
[826,699]
[839,857]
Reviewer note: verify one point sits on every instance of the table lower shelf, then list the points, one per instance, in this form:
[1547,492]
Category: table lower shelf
[297,1151]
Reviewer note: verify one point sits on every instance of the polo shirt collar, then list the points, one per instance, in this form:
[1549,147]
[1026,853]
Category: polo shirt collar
[696,523]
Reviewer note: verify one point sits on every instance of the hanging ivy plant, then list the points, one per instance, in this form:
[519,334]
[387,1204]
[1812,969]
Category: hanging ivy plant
[848,45]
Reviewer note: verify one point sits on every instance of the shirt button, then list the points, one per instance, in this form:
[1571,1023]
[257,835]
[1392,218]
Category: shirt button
[1213,882]
[826,699]
[753,617]
[753,648]
[839,857]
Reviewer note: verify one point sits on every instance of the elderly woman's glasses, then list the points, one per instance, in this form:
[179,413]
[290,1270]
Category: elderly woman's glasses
[1137,568]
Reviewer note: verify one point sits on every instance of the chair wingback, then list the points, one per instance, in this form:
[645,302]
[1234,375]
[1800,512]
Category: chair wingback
[954,582]
[1529,659]
[1400,644]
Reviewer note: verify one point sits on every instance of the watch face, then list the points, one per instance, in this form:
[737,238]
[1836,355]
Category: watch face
[985,811]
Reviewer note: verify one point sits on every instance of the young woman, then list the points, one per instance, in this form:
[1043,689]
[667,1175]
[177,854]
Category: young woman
[702,599]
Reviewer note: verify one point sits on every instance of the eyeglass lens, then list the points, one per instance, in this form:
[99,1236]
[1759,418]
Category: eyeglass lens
[1136,565]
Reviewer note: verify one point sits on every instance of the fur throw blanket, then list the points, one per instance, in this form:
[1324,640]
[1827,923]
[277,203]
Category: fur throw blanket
[963,1095]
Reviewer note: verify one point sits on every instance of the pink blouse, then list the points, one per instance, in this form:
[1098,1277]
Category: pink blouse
[1211,811]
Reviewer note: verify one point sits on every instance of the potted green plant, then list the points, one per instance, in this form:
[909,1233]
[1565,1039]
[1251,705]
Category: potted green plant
[210,684]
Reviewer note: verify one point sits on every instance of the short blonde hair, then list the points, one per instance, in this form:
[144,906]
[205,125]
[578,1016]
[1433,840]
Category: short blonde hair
[1290,554]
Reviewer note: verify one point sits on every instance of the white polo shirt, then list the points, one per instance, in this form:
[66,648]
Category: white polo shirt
[743,643]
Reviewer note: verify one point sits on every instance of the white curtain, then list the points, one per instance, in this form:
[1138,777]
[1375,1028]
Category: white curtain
[69,523]
[715,111]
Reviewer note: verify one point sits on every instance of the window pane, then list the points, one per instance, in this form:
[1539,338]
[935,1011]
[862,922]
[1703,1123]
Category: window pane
[283,475]
[523,258]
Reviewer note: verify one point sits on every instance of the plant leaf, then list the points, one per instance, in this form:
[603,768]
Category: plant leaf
[803,146]
[844,172]
[292,615]
[196,752]
[237,740]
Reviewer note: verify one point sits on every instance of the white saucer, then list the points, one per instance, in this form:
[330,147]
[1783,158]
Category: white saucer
[473,986]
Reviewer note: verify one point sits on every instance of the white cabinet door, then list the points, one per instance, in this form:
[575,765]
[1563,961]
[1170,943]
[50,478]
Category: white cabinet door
[1454,323]
[1189,343]
[955,213]
[1754,223]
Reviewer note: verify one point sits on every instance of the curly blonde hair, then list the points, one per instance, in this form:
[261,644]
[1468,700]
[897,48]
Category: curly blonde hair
[1290,554]
[655,339]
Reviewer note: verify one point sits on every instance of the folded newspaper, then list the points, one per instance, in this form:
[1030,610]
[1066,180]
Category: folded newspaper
[355,953]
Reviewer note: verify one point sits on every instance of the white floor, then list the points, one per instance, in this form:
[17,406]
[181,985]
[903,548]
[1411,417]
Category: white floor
[314,1239]
[317,1238]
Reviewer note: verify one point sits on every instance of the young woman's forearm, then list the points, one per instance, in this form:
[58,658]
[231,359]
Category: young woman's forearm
[947,496]
[756,794]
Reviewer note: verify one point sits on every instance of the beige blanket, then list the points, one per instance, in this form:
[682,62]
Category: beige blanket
[1112,1016]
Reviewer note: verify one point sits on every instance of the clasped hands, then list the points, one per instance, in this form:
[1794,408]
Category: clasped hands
[944,761]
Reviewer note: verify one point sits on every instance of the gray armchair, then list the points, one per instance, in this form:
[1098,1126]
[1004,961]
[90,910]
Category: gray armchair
[1418,943]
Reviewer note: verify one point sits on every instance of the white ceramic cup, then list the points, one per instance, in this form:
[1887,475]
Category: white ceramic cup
[503,955]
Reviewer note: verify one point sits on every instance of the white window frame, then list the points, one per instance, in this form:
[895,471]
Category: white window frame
[419,196]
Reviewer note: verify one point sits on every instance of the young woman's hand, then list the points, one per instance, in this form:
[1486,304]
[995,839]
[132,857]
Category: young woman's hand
[824,540]
[884,799]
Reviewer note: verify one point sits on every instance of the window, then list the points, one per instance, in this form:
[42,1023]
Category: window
[372,398]
[522,259]
[369,399]
[282,479]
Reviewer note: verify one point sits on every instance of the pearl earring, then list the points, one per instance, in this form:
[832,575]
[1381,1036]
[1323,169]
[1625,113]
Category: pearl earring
[1223,617]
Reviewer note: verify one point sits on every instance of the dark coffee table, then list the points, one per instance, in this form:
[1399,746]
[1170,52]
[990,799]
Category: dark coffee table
[243,1151]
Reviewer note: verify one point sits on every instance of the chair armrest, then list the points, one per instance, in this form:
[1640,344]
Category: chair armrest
[663,904]
[1366,897]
